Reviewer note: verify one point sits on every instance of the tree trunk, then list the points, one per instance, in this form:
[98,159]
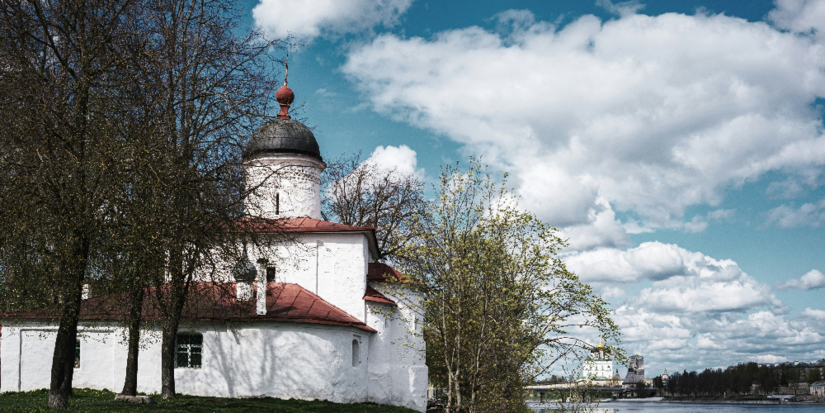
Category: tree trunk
[64,347]
[136,307]
[167,358]
[175,299]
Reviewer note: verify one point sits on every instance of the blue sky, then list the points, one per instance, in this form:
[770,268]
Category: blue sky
[677,144]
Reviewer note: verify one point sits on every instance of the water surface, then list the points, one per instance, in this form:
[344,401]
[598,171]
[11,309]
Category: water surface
[659,407]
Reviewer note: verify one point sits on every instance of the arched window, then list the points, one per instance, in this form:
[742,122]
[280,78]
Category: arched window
[356,353]
[188,350]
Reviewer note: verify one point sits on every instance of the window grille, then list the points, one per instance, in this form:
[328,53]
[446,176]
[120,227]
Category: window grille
[188,351]
[77,354]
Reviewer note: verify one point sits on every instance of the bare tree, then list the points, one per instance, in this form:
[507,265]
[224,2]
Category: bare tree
[214,86]
[365,194]
[59,62]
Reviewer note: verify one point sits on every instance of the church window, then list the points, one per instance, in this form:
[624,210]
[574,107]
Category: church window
[270,274]
[356,353]
[77,354]
[188,351]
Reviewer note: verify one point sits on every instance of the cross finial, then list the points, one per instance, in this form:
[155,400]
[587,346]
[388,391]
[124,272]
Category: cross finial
[286,71]
[284,95]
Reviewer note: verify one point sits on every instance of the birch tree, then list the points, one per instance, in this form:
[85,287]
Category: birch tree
[500,306]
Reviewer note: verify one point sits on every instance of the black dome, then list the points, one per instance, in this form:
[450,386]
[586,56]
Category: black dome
[283,136]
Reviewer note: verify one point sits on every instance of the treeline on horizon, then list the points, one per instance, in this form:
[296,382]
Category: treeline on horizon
[740,378]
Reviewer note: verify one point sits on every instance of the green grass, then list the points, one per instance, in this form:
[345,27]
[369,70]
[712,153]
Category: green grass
[86,400]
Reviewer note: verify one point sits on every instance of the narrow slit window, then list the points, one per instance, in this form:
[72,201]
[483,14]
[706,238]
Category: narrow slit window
[77,354]
[356,353]
[188,351]
[277,203]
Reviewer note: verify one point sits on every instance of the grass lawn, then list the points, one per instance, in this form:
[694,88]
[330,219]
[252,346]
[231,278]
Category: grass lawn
[85,400]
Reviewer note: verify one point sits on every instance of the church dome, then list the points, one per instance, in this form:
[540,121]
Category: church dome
[284,136]
[244,270]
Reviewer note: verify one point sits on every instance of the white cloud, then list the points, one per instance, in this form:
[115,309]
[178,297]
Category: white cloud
[812,280]
[813,313]
[621,9]
[602,230]
[649,113]
[308,19]
[648,261]
[811,214]
[400,159]
[769,358]
[800,16]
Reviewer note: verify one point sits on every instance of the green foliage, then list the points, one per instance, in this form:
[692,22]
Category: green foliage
[499,302]
[86,400]
[814,375]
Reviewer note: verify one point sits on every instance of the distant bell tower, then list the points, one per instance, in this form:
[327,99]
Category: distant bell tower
[283,166]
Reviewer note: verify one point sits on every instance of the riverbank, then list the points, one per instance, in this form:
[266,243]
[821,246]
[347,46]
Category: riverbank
[800,400]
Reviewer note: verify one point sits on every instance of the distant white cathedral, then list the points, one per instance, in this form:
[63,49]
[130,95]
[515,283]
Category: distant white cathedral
[326,326]
[598,368]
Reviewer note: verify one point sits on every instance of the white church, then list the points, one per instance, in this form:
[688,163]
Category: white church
[598,368]
[326,325]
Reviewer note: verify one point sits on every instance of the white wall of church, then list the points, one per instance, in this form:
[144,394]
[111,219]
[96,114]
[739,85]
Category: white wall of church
[287,186]
[283,360]
[331,265]
[397,370]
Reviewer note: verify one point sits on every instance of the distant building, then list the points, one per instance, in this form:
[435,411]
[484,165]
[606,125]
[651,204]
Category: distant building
[665,378]
[818,389]
[635,370]
[598,368]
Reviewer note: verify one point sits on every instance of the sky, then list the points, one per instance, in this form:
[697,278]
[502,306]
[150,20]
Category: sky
[677,145]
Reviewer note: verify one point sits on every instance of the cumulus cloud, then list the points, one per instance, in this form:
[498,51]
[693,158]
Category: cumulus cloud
[308,19]
[683,281]
[695,311]
[813,313]
[707,339]
[648,261]
[811,214]
[400,159]
[648,113]
[800,16]
[622,9]
[602,230]
[812,280]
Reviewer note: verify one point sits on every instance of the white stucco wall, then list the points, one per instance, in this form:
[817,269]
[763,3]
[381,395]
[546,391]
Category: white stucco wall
[599,369]
[398,374]
[284,360]
[331,265]
[294,179]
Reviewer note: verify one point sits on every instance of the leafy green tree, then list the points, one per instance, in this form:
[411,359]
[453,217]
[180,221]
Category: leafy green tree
[59,73]
[814,375]
[498,302]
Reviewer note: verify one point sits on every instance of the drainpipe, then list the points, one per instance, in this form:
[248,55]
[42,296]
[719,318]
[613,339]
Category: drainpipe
[317,260]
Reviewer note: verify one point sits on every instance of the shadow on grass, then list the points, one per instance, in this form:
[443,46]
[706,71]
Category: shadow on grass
[86,400]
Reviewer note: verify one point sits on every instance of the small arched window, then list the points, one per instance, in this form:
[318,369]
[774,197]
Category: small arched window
[356,353]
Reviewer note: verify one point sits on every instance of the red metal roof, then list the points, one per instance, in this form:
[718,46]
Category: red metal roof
[302,224]
[218,302]
[376,297]
[378,272]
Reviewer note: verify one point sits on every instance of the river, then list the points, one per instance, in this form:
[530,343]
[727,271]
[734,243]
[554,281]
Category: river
[665,407]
